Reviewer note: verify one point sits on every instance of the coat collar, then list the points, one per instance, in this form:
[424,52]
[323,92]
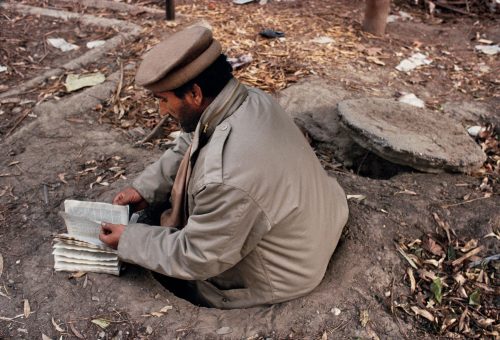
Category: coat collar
[224,105]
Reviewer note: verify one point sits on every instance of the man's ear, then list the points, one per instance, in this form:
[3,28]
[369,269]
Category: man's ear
[195,95]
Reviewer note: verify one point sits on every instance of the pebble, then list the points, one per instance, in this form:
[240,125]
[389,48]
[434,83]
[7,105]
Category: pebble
[224,330]
[335,311]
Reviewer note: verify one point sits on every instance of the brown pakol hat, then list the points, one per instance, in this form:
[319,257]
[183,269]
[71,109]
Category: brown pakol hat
[178,59]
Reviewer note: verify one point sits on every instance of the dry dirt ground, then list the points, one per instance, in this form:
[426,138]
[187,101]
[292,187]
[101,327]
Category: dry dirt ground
[81,145]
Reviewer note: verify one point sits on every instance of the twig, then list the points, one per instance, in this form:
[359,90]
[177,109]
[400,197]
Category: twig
[466,256]
[446,206]
[19,121]
[155,131]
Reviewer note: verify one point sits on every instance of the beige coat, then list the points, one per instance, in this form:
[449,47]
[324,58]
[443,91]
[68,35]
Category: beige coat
[264,216]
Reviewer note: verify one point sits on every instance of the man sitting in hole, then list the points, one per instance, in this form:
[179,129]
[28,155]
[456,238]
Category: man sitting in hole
[253,217]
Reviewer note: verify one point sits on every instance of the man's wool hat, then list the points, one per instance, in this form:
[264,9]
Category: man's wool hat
[178,59]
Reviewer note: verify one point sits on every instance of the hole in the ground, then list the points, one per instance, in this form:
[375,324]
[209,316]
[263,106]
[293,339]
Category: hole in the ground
[360,161]
[373,166]
[185,290]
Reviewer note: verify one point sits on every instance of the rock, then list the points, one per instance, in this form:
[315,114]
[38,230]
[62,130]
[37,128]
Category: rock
[410,136]
[224,330]
[472,112]
[312,104]
[335,311]
[411,99]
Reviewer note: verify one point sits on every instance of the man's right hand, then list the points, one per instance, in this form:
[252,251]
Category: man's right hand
[132,197]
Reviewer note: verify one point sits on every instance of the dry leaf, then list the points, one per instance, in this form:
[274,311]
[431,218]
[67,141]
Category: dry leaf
[45,337]
[57,327]
[492,235]
[324,336]
[485,322]
[358,198]
[101,323]
[27,308]
[431,246]
[469,245]
[375,60]
[166,309]
[77,275]
[75,331]
[459,278]
[463,320]
[61,178]
[364,317]
[423,313]
[435,263]
[410,261]
[412,280]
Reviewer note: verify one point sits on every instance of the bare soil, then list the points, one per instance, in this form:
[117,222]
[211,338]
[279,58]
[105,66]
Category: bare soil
[77,147]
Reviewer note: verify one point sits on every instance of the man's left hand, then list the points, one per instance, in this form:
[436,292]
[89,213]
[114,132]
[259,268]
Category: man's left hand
[111,233]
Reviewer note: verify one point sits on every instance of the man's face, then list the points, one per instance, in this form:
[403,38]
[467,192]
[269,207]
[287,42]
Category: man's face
[183,110]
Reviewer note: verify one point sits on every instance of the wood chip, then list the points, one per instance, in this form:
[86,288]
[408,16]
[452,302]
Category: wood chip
[27,308]
[466,256]
[413,284]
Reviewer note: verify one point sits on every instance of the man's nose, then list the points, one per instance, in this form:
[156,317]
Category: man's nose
[163,108]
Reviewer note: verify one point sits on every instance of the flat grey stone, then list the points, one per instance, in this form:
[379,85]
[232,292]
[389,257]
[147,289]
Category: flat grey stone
[312,103]
[410,136]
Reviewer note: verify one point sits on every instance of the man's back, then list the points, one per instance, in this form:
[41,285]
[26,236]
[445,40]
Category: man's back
[258,152]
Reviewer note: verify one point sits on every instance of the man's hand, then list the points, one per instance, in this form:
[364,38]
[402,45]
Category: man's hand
[111,233]
[130,196]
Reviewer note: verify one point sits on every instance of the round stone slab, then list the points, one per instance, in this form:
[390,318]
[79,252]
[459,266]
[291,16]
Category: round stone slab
[407,135]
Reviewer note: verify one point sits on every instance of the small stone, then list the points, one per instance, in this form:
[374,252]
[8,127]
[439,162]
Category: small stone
[18,261]
[388,293]
[335,311]
[102,334]
[149,330]
[224,330]
[95,298]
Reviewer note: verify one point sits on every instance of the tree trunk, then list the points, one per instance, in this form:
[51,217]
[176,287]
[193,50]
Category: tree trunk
[376,13]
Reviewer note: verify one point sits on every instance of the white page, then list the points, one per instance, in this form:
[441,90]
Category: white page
[61,244]
[72,267]
[82,228]
[84,255]
[98,211]
[59,259]
[83,241]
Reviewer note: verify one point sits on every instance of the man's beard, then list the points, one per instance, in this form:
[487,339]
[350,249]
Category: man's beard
[189,120]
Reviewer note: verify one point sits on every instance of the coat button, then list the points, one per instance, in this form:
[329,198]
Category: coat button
[223,126]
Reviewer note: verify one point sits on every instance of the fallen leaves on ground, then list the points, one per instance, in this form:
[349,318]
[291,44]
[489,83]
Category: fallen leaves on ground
[453,285]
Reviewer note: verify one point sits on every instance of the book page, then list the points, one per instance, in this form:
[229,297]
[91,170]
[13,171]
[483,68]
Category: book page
[85,255]
[74,267]
[61,243]
[82,229]
[97,211]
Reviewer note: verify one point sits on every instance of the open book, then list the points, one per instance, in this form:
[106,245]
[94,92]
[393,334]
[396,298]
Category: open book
[80,248]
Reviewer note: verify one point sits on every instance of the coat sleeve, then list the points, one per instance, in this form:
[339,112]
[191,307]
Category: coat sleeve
[156,181]
[225,226]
